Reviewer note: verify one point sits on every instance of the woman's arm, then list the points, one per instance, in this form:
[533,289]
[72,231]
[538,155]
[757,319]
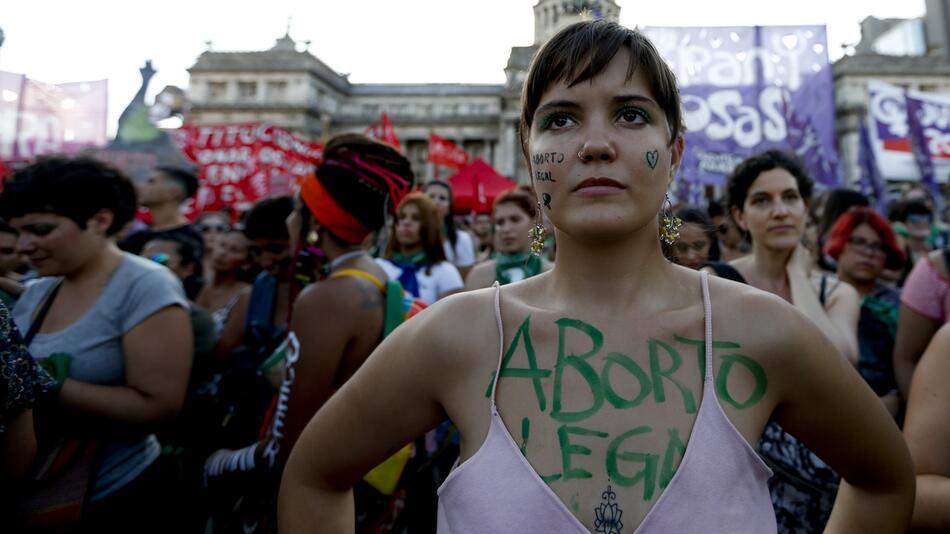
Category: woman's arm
[323,325]
[826,404]
[394,397]
[157,362]
[927,430]
[17,447]
[914,331]
[232,335]
[841,327]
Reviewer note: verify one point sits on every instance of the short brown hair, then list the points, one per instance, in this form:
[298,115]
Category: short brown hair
[430,232]
[582,51]
[519,198]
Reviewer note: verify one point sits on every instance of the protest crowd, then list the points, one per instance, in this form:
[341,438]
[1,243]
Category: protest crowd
[307,361]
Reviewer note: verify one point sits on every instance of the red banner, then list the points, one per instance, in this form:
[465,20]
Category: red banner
[446,153]
[37,118]
[384,131]
[240,164]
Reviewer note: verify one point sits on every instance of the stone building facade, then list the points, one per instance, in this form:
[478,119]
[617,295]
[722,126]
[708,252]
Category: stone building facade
[294,89]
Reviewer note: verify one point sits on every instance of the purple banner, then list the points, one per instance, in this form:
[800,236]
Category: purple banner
[746,89]
[871,182]
[919,145]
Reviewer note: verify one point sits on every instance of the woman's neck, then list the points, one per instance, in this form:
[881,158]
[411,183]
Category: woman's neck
[410,250]
[97,270]
[770,264]
[225,278]
[864,287]
[621,273]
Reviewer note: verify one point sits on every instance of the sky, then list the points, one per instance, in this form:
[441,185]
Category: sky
[375,41]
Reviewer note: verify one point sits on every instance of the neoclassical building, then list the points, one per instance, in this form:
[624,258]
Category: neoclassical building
[290,87]
[294,89]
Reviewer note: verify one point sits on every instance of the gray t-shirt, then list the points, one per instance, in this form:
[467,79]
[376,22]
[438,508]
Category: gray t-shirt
[136,290]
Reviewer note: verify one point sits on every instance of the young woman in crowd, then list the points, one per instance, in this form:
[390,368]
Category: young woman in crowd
[220,294]
[697,244]
[515,214]
[267,301]
[862,245]
[415,255]
[563,428]
[927,430]
[768,197]
[732,244]
[925,307]
[458,244]
[112,327]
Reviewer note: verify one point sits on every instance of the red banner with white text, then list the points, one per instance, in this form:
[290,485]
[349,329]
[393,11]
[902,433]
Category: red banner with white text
[240,164]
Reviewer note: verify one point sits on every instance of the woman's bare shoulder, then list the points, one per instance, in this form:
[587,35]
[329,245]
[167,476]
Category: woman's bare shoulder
[765,324]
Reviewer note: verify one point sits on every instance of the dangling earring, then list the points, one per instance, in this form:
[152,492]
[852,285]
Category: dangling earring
[312,237]
[537,234]
[670,226]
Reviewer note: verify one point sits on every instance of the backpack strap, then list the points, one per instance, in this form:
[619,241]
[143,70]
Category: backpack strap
[395,312]
[358,273]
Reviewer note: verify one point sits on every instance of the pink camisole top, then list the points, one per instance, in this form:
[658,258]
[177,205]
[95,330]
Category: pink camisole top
[720,486]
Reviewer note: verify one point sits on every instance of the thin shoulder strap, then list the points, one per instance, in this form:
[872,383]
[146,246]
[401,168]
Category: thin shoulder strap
[707,321]
[359,274]
[501,342]
[41,315]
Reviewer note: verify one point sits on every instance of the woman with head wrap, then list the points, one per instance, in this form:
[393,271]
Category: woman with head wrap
[338,321]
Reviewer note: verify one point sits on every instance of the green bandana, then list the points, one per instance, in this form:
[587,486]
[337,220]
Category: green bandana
[418,259]
[527,263]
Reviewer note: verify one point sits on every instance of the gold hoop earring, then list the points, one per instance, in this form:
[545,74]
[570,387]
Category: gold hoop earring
[670,226]
[537,234]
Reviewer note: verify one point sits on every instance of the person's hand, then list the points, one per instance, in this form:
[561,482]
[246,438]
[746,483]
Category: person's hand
[800,263]
[57,365]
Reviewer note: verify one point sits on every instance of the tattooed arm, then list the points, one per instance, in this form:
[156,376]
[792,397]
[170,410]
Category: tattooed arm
[397,395]
[825,403]
[927,429]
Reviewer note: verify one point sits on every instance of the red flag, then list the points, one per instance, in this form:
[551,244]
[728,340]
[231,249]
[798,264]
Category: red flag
[383,131]
[445,152]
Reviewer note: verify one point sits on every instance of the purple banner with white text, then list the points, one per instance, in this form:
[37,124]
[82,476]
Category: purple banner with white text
[890,131]
[747,89]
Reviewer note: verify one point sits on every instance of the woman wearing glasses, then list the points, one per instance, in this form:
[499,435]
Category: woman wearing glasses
[863,245]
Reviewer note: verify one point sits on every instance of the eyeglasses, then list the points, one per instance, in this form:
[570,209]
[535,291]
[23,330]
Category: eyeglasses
[214,228]
[161,258]
[919,218]
[272,248]
[868,247]
[683,247]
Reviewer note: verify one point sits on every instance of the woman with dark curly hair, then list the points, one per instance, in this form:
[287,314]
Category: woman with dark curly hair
[111,326]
